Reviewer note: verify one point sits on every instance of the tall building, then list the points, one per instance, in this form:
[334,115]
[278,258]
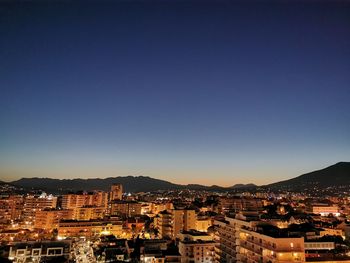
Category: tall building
[171,223]
[125,208]
[86,206]
[116,192]
[254,241]
[163,222]
[236,204]
[189,219]
[196,247]
[97,198]
[32,204]
[48,219]
[88,213]
[183,219]
[11,208]
[177,221]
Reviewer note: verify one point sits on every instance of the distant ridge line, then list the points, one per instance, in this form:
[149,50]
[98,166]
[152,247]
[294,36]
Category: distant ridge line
[339,172]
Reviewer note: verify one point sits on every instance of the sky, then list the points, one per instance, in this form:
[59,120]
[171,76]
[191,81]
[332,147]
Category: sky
[208,92]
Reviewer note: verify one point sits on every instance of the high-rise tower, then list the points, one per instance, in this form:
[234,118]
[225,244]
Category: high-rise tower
[116,192]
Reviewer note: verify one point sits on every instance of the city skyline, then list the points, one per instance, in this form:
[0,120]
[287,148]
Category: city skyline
[217,93]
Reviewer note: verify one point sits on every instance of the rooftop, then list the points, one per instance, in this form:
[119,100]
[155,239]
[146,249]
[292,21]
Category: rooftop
[194,232]
[276,232]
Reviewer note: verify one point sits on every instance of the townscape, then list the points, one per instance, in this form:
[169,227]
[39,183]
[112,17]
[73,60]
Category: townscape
[187,226]
[174,131]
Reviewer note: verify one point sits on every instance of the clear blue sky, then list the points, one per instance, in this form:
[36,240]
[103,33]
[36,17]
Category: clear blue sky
[217,92]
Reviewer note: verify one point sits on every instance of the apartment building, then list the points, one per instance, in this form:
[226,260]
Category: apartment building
[11,207]
[196,247]
[161,206]
[235,204]
[88,213]
[159,251]
[171,222]
[255,242]
[203,223]
[163,222]
[48,219]
[33,203]
[125,208]
[97,199]
[116,192]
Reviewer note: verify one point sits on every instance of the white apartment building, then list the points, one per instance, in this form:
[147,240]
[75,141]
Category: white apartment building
[252,242]
[196,247]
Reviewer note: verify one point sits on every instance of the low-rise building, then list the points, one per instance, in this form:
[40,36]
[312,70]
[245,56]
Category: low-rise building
[72,228]
[159,251]
[38,251]
[324,209]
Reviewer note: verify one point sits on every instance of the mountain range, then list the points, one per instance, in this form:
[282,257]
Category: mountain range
[335,175]
[332,176]
[130,184]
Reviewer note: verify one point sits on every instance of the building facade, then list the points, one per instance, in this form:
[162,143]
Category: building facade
[196,247]
[254,242]
[116,192]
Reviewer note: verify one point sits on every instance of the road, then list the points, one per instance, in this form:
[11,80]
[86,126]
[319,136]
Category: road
[83,252]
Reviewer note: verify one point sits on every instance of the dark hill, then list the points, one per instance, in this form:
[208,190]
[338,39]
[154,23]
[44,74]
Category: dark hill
[243,186]
[130,184]
[334,175]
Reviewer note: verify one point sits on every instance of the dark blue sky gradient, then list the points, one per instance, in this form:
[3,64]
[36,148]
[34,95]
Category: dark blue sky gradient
[210,92]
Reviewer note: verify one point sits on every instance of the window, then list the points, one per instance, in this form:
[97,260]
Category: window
[54,251]
[36,252]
